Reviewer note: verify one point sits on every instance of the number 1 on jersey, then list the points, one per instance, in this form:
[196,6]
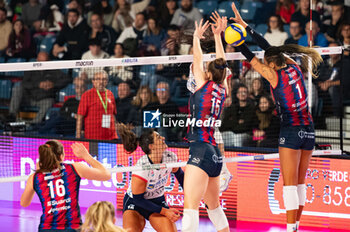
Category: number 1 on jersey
[299,91]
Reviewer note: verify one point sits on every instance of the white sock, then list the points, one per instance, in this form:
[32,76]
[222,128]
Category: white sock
[291,227]
[297,224]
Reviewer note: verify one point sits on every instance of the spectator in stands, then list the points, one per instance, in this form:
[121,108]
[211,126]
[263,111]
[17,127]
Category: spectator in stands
[247,75]
[95,52]
[295,31]
[267,132]
[5,4]
[275,34]
[131,37]
[332,24]
[38,88]
[105,34]
[285,9]
[303,14]
[171,46]
[238,120]
[31,12]
[100,217]
[51,20]
[166,12]
[232,64]
[104,9]
[318,38]
[97,109]
[344,32]
[5,28]
[72,41]
[153,38]
[166,106]
[20,43]
[185,16]
[76,5]
[144,97]
[120,74]
[123,102]
[257,90]
[64,121]
[125,13]
[330,76]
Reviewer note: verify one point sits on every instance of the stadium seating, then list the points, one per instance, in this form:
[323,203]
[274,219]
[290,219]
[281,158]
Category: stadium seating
[225,9]
[47,44]
[15,73]
[286,28]
[206,7]
[261,28]
[67,91]
[113,89]
[5,89]
[248,9]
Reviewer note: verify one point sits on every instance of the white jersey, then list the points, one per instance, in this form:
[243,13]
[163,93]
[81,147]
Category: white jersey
[191,86]
[191,82]
[156,178]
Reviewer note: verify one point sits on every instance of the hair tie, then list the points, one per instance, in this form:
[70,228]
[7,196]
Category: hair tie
[48,145]
[220,66]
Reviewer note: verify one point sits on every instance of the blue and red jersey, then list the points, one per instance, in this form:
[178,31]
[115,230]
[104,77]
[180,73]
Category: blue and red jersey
[205,106]
[291,97]
[58,192]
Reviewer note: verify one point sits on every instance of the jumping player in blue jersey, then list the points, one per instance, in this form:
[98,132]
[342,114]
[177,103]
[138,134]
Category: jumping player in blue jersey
[205,162]
[297,136]
[57,185]
[145,196]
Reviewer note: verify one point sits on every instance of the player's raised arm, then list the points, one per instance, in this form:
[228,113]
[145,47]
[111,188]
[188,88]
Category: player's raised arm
[97,170]
[198,71]
[261,41]
[219,25]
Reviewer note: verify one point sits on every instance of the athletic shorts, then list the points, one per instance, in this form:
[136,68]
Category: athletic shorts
[55,230]
[207,157]
[297,137]
[128,204]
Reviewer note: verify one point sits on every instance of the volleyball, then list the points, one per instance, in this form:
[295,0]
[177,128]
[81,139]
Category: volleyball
[235,34]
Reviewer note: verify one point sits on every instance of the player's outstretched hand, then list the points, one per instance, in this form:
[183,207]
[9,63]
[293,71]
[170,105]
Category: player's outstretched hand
[172,214]
[238,19]
[220,23]
[200,29]
[79,150]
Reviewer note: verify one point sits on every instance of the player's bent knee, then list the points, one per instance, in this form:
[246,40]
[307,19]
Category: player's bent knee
[218,218]
[190,220]
[290,197]
[301,188]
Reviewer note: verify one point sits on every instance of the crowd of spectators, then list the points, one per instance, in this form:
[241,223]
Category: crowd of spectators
[91,29]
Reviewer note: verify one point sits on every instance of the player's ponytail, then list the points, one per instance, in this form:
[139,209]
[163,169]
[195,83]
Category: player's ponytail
[99,218]
[130,141]
[275,54]
[50,156]
[217,68]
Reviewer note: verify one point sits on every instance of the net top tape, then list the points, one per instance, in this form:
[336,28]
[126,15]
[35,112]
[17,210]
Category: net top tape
[70,64]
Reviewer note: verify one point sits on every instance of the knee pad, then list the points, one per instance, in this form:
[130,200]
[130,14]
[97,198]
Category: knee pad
[301,194]
[190,220]
[290,197]
[218,218]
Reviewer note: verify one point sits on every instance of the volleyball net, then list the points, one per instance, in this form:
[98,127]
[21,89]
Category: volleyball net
[56,86]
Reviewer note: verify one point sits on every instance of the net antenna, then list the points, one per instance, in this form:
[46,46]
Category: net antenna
[310,61]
